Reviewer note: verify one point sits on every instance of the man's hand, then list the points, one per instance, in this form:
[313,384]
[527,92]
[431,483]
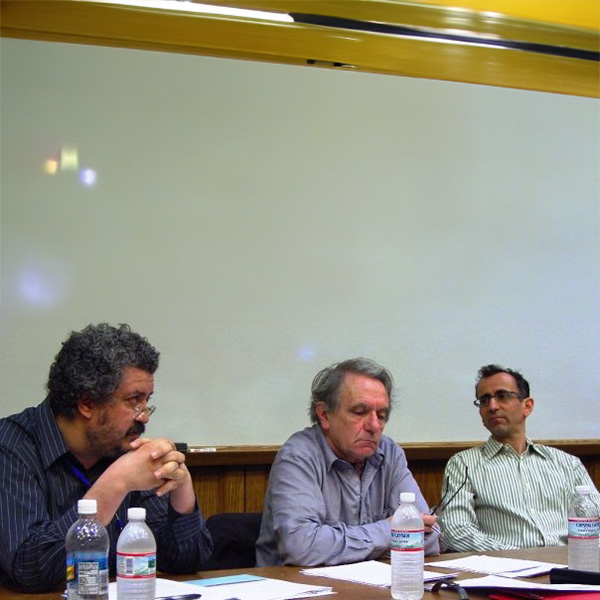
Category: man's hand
[429,522]
[172,473]
[149,465]
[167,463]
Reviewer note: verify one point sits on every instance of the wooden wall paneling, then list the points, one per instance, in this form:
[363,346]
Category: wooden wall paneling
[206,486]
[592,464]
[429,475]
[234,479]
[220,489]
[232,488]
[257,478]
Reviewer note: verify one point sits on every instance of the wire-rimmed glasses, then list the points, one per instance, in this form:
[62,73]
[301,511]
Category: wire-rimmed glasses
[441,505]
[139,411]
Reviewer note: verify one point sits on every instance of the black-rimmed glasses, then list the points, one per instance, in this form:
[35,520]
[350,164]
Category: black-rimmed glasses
[441,505]
[500,396]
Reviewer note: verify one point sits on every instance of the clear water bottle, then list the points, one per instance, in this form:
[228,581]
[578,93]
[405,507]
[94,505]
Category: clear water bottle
[584,531]
[87,544]
[136,559]
[408,550]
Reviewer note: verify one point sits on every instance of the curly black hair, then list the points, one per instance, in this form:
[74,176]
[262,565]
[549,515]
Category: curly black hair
[90,365]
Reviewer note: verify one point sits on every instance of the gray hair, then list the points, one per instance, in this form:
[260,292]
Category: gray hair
[327,383]
[90,365]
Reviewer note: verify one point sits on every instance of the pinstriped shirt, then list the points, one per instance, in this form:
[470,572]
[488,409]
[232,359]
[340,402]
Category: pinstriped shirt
[38,503]
[510,500]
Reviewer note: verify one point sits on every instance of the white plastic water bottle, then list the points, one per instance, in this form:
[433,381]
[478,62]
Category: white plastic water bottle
[408,550]
[584,531]
[136,559]
[86,545]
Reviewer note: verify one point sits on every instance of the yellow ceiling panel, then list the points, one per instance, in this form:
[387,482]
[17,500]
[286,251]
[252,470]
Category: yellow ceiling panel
[394,37]
[572,13]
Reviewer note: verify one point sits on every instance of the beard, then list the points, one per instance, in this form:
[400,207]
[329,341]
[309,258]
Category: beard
[107,441]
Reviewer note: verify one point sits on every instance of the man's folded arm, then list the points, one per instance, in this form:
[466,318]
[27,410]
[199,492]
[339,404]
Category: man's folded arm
[32,553]
[300,521]
[312,544]
[458,522]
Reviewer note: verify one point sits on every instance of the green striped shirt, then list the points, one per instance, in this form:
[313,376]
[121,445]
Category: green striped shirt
[510,500]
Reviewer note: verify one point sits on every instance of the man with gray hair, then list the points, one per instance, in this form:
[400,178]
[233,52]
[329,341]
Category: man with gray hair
[334,486]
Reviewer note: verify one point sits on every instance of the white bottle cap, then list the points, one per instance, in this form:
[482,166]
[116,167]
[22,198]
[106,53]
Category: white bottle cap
[87,506]
[407,497]
[136,513]
[582,489]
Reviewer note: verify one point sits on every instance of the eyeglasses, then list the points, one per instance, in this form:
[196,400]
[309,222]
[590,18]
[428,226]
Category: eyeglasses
[500,396]
[441,505]
[139,410]
[453,585]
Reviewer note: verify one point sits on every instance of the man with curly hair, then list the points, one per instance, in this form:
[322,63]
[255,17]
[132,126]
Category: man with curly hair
[85,440]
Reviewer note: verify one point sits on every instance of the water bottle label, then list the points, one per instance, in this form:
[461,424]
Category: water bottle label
[582,528]
[87,573]
[408,541]
[136,565]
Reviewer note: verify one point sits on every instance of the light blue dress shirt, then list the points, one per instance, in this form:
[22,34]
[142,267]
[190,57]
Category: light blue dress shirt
[319,511]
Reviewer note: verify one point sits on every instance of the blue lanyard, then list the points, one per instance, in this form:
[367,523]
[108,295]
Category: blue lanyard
[80,475]
[83,478]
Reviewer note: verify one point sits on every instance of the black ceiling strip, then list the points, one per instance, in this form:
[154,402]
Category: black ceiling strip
[371,27]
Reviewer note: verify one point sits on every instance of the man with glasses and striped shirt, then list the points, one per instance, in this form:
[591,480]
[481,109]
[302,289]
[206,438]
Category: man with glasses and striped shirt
[509,493]
[84,441]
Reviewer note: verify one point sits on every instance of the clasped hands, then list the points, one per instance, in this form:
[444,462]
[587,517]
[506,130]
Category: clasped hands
[155,464]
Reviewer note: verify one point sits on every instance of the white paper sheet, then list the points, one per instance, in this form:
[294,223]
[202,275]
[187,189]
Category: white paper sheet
[496,565]
[370,572]
[259,589]
[495,581]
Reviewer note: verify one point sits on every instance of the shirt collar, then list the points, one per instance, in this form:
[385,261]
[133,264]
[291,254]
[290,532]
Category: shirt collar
[51,438]
[493,447]
[536,448]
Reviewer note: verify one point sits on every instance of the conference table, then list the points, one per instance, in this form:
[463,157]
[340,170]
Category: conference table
[347,590]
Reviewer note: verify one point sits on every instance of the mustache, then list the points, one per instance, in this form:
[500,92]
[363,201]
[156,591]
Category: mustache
[136,429]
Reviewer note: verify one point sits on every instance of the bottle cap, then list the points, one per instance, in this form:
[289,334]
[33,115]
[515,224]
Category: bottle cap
[136,513]
[582,489]
[87,506]
[407,497]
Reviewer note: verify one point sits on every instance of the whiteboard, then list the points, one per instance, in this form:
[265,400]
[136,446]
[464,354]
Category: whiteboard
[257,222]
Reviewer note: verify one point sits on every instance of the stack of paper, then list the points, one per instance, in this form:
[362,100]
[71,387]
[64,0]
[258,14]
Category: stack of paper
[496,565]
[503,583]
[242,587]
[370,572]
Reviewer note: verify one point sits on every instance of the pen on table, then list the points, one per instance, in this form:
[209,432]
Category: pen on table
[194,450]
